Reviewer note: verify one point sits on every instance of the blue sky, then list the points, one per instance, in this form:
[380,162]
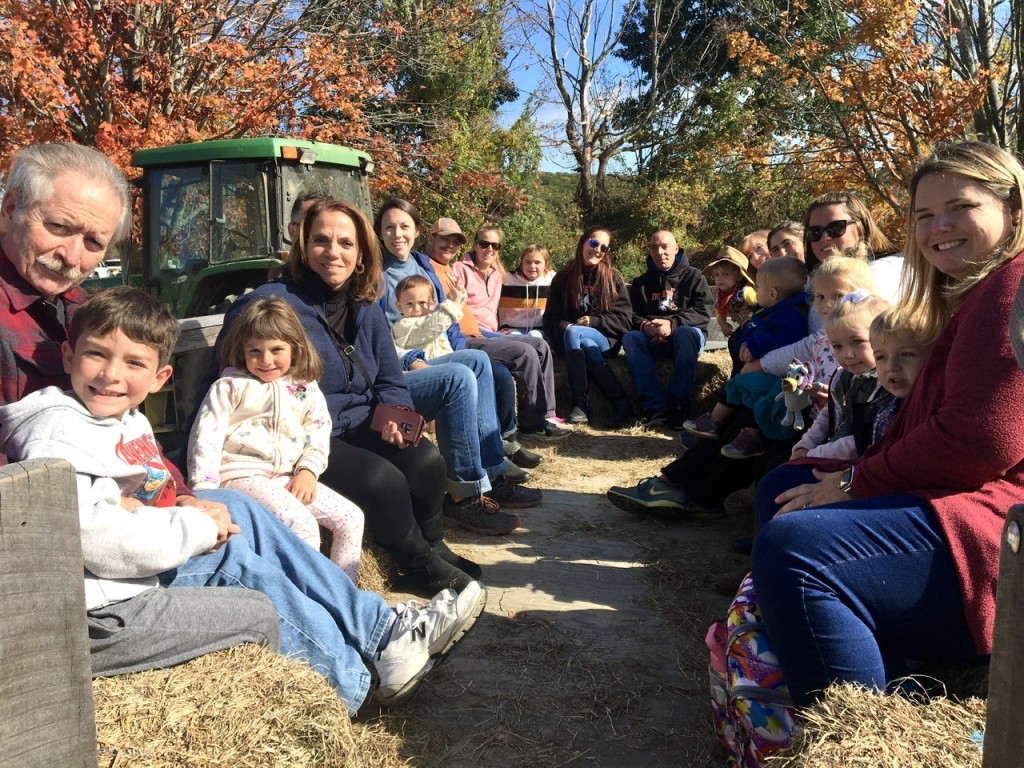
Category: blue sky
[529,76]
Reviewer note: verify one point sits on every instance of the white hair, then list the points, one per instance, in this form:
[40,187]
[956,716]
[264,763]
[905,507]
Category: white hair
[36,168]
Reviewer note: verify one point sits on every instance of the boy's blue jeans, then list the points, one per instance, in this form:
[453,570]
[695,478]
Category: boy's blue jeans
[852,591]
[684,347]
[325,620]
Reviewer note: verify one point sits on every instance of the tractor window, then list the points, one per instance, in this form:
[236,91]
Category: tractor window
[338,182]
[182,217]
[201,223]
[240,219]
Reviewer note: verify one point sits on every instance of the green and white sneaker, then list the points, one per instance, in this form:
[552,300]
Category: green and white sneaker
[654,496]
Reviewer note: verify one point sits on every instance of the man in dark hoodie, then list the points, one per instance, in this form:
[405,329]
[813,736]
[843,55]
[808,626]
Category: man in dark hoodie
[671,312]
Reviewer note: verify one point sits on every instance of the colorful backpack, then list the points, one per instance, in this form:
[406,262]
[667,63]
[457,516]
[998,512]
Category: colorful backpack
[750,701]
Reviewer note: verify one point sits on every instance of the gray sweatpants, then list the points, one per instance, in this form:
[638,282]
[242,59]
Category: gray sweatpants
[528,358]
[163,627]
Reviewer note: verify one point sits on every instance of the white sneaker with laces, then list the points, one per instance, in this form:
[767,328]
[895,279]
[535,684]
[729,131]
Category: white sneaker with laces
[421,637]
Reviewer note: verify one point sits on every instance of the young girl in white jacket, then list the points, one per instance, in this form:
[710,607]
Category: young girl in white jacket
[264,430]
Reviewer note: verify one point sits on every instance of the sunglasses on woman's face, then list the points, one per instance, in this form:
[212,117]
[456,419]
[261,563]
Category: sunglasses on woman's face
[485,244]
[833,229]
[596,244]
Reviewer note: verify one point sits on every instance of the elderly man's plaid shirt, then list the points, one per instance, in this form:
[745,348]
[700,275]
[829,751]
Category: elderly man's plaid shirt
[31,332]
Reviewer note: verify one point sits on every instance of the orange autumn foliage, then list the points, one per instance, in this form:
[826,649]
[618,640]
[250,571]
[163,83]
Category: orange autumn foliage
[123,76]
[866,104]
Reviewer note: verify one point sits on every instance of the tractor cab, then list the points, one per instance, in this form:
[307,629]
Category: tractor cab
[215,213]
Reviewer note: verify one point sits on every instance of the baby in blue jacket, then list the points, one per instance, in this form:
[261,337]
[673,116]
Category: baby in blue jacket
[779,320]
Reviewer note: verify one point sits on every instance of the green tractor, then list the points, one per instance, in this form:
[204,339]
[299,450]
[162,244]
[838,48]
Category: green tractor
[215,214]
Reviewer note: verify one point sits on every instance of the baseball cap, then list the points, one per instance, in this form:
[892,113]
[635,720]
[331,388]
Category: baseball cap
[448,227]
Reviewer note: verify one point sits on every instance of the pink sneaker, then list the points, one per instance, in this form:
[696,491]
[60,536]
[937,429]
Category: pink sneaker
[746,445]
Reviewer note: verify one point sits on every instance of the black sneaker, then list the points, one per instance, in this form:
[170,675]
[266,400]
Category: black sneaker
[549,432]
[577,416]
[526,459]
[675,417]
[511,496]
[651,419]
[479,514]
[687,440]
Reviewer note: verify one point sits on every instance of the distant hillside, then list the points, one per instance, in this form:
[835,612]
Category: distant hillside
[556,190]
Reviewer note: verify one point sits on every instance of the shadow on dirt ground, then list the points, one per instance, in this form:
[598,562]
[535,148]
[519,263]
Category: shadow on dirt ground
[591,650]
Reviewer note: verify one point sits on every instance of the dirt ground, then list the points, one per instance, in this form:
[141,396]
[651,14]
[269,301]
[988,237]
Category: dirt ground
[591,649]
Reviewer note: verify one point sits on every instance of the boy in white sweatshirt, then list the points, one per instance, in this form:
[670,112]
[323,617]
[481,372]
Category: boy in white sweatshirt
[134,524]
[138,533]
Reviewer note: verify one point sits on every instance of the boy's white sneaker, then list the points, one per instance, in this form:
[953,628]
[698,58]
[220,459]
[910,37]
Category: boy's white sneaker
[421,637]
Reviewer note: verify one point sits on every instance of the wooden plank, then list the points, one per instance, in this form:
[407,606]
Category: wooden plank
[198,333]
[1003,738]
[46,708]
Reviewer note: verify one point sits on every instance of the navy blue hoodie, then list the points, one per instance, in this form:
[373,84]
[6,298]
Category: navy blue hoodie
[680,294]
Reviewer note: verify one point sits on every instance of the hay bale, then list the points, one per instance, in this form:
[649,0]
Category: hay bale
[246,707]
[851,726]
[713,369]
[377,571]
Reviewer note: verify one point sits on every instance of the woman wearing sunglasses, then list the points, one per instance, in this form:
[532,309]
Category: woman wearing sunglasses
[527,357]
[838,220]
[587,314]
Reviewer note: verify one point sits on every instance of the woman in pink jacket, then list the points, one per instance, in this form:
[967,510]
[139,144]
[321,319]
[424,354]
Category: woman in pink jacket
[897,556]
[482,274]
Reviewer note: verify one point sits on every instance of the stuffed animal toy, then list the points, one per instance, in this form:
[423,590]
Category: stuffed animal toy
[796,393]
[741,306]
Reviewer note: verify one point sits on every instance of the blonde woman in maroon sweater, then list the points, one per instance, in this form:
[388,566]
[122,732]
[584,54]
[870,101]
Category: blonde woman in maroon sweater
[897,557]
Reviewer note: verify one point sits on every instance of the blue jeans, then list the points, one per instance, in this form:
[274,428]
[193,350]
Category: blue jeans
[595,345]
[684,347]
[850,592]
[325,620]
[457,391]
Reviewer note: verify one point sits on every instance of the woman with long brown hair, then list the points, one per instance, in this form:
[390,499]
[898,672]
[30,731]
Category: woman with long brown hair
[587,314]
[854,566]
[334,282]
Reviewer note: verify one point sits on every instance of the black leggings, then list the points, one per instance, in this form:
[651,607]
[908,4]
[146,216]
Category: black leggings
[396,488]
[709,478]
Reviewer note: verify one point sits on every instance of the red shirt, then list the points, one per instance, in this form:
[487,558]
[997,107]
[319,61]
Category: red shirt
[958,441]
[31,333]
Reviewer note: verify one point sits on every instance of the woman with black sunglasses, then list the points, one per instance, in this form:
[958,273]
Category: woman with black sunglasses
[587,314]
[837,221]
[528,358]
[702,479]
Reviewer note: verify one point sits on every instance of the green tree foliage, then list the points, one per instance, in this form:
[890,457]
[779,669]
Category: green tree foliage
[443,65]
[448,81]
